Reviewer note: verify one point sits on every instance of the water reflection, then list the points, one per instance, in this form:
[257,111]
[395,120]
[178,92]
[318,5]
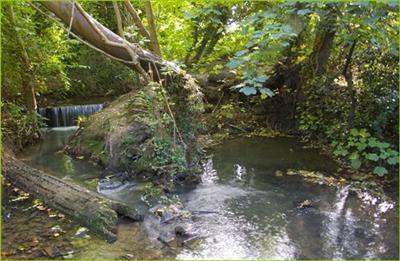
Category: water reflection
[258,215]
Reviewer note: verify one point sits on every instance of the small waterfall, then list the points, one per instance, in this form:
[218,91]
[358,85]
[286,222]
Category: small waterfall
[67,115]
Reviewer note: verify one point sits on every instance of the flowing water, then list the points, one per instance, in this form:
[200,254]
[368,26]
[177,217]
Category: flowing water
[254,211]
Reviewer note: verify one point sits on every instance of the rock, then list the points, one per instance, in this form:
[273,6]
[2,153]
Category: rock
[48,251]
[128,257]
[81,232]
[167,217]
[68,255]
[56,229]
[167,238]
[180,231]
[305,204]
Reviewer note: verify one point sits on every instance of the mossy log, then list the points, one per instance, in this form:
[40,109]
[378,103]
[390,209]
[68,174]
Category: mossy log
[88,208]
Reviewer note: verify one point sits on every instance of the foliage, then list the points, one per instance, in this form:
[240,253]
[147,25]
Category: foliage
[362,149]
[18,126]
[164,152]
[47,49]
[273,47]
[90,76]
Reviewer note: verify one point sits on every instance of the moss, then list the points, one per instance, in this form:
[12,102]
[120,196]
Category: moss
[103,222]
[153,130]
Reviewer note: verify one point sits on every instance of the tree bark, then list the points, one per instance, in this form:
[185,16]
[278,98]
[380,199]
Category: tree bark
[85,26]
[26,69]
[152,28]
[324,37]
[348,75]
[119,19]
[138,23]
[88,208]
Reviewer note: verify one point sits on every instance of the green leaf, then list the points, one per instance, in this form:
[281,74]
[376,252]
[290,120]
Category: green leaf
[372,156]
[354,155]
[361,146]
[393,161]
[340,151]
[266,91]
[384,155]
[380,171]
[234,64]
[373,142]
[383,145]
[354,132]
[248,90]
[364,133]
[303,11]
[268,14]
[242,52]
[355,163]
[262,78]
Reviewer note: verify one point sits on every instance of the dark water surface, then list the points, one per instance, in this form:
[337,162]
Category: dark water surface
[257,215]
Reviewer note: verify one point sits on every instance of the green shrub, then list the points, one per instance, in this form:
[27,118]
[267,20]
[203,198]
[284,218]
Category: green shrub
[363,150]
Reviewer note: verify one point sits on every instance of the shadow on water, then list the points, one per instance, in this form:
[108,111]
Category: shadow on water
[257,215]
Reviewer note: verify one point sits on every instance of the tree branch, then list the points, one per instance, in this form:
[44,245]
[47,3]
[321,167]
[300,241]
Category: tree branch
[152,28]
[137,21]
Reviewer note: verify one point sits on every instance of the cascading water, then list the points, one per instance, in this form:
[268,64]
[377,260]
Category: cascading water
[67,115]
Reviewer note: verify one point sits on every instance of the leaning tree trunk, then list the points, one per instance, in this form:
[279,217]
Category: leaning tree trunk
[88,208]
[103,39]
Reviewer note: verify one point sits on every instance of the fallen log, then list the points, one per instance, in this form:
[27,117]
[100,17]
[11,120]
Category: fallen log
[88,208]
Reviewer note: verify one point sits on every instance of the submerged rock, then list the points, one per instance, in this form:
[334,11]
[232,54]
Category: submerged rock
[305,204]
[81,232]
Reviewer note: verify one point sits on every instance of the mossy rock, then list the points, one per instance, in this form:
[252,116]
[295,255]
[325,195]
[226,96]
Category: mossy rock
[103,137]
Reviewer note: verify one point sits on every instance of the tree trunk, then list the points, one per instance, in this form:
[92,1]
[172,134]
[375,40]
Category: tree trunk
[119,19]
[90,209]
[348,75]
[26,69]
[324,37]
[104,39]
[152,28]
[138,22]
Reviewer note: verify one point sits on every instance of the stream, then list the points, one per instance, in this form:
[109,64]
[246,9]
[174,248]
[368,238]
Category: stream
[253,213]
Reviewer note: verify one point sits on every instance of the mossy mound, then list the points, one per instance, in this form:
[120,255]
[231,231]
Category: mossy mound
[142,132]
